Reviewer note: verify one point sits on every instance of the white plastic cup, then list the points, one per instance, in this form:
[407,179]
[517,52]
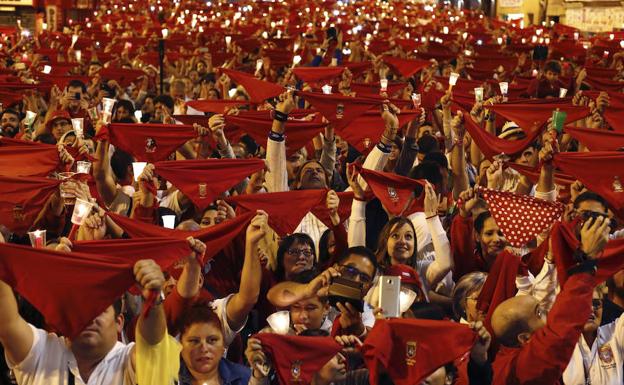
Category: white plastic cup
[83,167]
[279,322]
[78,125]
[138,114]
[504,88]
[563,92]
[47,69]
[478,91]
[416,100]
[383,83]
[169,221]
[453,78]
[37,238]
[137,169]
[327,89]
[82,209]
[406,299]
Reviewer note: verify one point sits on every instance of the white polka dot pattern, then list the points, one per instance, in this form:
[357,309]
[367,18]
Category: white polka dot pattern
[520,217]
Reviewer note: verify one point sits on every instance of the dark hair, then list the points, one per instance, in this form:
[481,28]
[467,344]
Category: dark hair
[120,161]
[300,172]
[314,333]
[590,196]
[46,138]
[199,312]
[479,221]
[426,170]
[324,256]
[553,66]
[425,310]
[284,245]
[382,243]
[125,104]
[437,157]
[75,83]
[11,112]
[363,252]
[166,100]
[118,306]
[250,145]
[128,120]
[427,144]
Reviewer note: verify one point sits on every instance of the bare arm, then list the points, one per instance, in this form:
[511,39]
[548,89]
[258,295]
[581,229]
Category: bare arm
[16,335]
[103,173]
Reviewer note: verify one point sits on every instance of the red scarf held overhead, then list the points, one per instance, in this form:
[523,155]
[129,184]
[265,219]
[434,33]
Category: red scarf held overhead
[339,110]
[22,199]
[344,209]
[147,142]
[361,89]
[395,191]
[215,237]
[366,130]
[520,217]
[409,350]
[318,74]
[214,106]
[285,209]
[600,171]
[491,145]
[500,284]
[296,358]
[123,76]
[298,132]
[203,181]
[528,115]
[37,160]
[69,289]
[598,140]
[258,90]
[136,248]
[406,67]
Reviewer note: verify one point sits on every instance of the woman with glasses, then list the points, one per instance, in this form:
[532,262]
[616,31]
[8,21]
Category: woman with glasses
[295,254]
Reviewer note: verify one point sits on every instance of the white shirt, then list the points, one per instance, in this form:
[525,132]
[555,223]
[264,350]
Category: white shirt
[219,306]
[603,359]
[49,362]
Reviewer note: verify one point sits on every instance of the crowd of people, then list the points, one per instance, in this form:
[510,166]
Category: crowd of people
[310,193]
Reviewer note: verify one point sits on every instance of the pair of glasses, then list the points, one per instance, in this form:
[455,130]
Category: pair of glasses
[353,273]
[297,252]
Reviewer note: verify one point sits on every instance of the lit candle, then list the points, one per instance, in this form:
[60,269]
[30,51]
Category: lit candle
[228,40]
[296,60]
[504,87]
[82,208]
[138,115]
[453,79]
[47,69]
[137,169]
[416,100]
[37,238]
[383,83]
[78,126]
[279,322]
[165,33]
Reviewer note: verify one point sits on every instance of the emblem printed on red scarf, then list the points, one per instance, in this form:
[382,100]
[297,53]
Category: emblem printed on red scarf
[340,111]
[617,185]
[295,370]
[410,352]
[367,142]
[18,213]
[150,145]
[392,193]
[203,190]
[521,218]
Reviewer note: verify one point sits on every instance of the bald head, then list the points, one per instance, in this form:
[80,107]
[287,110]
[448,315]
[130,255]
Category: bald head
[188,225]
[516,319]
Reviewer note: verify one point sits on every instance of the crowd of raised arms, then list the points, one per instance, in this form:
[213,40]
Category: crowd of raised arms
[310,192]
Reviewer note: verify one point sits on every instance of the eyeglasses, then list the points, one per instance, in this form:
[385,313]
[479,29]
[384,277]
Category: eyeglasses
[596,304]
[297,252]
[353,273]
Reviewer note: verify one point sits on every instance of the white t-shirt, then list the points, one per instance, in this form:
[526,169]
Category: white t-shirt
[219,306]
[603,359]
[50,361]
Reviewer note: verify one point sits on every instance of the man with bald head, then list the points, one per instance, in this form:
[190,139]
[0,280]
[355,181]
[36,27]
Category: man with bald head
[536,349]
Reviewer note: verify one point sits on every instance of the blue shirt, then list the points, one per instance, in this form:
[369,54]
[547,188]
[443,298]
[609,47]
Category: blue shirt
[231,373]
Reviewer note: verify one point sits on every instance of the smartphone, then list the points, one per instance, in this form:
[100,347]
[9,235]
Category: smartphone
[331,33]
[389,295]
[343,290]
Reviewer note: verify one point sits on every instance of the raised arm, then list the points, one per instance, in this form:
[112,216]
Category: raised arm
[102,171]
[277,176]
[16,336]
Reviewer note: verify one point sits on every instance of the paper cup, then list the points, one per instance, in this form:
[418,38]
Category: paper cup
[169,221]
[137,169]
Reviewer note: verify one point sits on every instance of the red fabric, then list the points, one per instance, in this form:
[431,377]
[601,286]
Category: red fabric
[136,248]
[366,130]
[463,248]
[147,142]
[298,132]
[521,217]
[22,199]
[202,181]
[564,243]
[361,89]
[344,209]
[406,67]
[394,191]
[528,115]
[597,140]
[258,90]
[123,76]
[283,218]
[296,358]
[499,285]
[69,289]
[544,358]
[491,145]
[339,110]
[318,74]
[408,276]
[215,237]
[411,349]
[214,106]
[534,173]
[37,161]
[598,171]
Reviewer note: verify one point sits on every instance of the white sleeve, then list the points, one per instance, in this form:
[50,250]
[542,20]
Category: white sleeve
[618,334]
[46,356]
[277,176]
[357,224]
[376,160]
[549,196]
[443,262]
[423,236]
[219,306]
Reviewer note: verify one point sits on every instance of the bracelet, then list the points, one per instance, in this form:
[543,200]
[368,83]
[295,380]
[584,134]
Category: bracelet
[276,136]
[280,116]
[590,266]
